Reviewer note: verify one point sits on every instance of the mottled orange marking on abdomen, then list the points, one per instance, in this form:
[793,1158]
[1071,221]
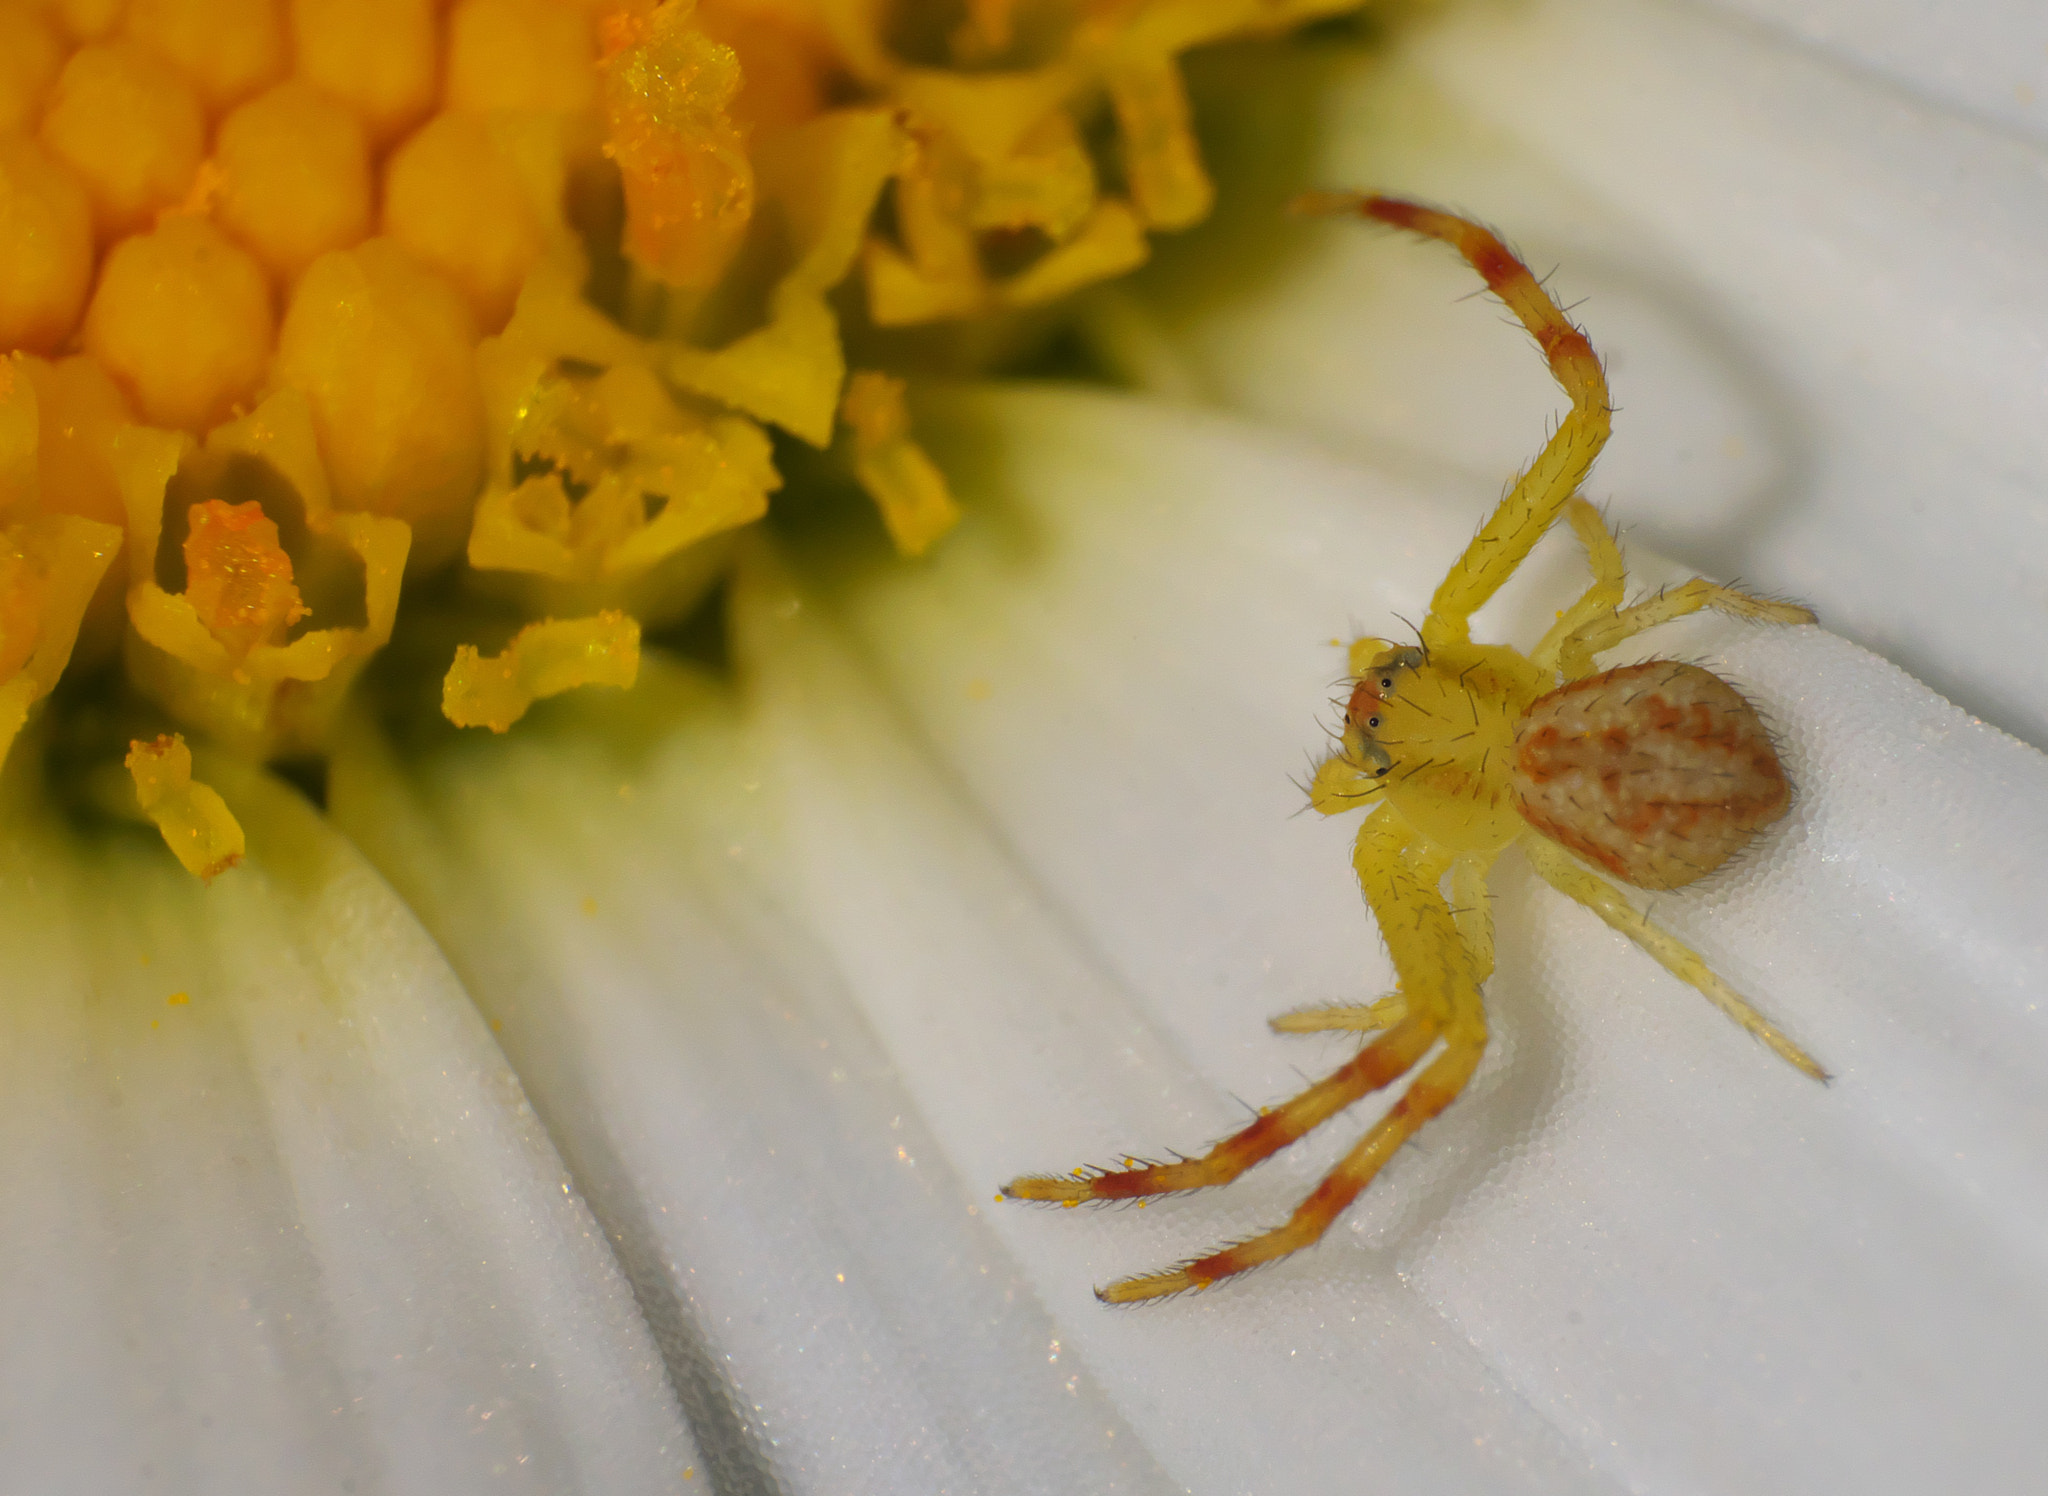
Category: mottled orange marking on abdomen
[1657,773]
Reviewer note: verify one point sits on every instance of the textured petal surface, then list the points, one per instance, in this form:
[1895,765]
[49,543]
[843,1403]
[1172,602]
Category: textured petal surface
[280,1217]
[1987,57]
[997,869]
[994,866]
[831,1301]
[1819,295]
[1704,1272]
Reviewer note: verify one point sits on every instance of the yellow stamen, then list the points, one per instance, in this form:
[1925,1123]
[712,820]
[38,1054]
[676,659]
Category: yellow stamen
[940,275]
[543,659]
[364,264]
[21,609]
[1111,242]
[824,177]
[196,823]
[905,484]
[1046,181]
[653,479]
[1167,181]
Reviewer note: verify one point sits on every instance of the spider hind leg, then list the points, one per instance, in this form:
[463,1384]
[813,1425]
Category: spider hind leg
[1557,868]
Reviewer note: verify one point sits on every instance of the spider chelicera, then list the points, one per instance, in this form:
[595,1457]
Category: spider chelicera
[1656,773]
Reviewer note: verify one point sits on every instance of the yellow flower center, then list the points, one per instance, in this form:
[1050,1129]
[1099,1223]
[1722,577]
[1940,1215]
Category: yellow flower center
[521,287]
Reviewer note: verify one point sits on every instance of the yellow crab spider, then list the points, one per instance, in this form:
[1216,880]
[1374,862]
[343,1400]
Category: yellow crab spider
[1655,773]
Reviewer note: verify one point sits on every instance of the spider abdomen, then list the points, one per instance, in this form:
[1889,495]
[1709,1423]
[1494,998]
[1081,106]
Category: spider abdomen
[1658,772]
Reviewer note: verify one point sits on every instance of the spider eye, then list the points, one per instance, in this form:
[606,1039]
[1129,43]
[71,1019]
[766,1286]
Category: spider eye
[1386,683]
[1372,722]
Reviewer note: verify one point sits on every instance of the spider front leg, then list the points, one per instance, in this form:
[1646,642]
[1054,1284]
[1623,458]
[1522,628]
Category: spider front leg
[1521,519]
[1437,970]
[1354,1018]
[1557,868]
[1440,990]
[1471,912]
[1386,1059]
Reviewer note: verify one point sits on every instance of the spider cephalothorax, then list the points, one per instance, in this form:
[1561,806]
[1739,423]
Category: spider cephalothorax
[1657,773]
[1433,732]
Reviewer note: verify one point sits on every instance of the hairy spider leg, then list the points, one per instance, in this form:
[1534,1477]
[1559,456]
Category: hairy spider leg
[1451,825]
[1597,622]
[1562,872]
[1400,877]
[1386,1059]
[1677,602]
[1471,910]
[1599,601]
[1537,496]
[1362,1018]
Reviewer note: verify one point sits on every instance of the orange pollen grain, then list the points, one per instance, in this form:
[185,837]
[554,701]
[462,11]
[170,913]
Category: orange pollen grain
[237,577]
[619,29]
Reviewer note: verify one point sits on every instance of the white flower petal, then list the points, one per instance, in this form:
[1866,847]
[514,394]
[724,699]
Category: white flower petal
[280,1218]
[830,1296]
[848,969]
[1820,298]
[1986,57]
[1025,1053]
[1618,1264]
[1705,1271]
